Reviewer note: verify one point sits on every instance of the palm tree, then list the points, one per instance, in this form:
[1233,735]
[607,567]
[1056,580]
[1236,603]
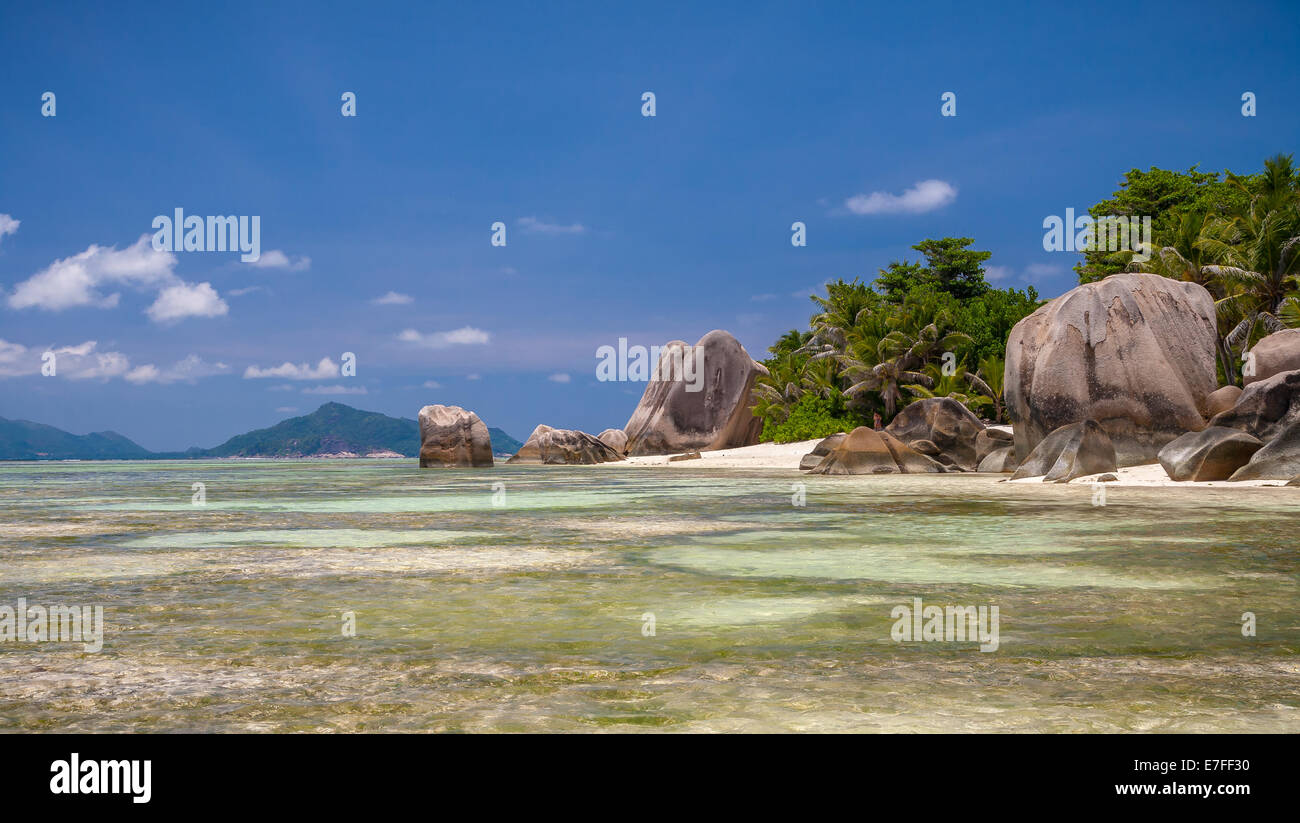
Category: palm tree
[1257,254]
[989,382]
[888,378]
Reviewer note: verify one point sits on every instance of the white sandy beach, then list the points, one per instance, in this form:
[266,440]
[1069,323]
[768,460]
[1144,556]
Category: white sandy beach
[786,456]
[762,456]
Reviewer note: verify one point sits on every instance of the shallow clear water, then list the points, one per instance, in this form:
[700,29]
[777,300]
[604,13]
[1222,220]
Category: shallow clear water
[529,615]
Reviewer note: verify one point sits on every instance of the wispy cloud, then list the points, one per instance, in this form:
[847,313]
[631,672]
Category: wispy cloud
[560,378]
[925,196]
[432,384]
[1036,271]
[323,370]
[532,224]
[188,370]
[276,259]
[85,361]
[8,225]
[464,336]
[336,390]
[393,299]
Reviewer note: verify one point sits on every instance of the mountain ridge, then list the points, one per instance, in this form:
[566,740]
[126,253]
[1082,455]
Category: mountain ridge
[332,430]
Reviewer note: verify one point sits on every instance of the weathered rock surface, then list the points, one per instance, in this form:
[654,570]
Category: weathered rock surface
[1278,352]
[677,458]
[616,439]
[1133,352]
[926,447]
[999,460]
[452,437]
[1071,451]
[710,409]
[1222,400]
[944,422]
[1278,460]
[1210,454]
[990,440]
[867,451]
[563,447]
[1266,407]
[819,452]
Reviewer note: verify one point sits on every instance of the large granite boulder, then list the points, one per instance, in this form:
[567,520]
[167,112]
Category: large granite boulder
[819,452]
[1278,460]
[944,422]
[867,451]
[1266,407]
[563,447]
[1071,451]
[451,437]
[616,439]
[1134,352]
[705,405]
[1274,354]
[1210,454]
[1222,400]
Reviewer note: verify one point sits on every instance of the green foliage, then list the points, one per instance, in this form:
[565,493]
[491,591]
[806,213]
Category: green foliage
[873,350]
[1166,196]
[809,418]
[949,267]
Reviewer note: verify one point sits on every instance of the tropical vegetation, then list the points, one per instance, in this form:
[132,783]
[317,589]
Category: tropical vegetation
[933,328]
[1236,235]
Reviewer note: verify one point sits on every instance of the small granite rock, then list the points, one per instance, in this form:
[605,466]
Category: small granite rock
[1210,454]
[1071,451]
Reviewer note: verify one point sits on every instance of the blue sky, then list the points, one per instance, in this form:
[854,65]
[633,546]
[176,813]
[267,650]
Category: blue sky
[618,225]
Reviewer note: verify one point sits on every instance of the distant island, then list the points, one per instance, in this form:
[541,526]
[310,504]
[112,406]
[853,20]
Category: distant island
[333,430]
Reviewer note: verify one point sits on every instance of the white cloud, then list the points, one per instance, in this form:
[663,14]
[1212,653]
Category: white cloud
[187,370]
[286,409]
[393,299]
[186,300]
[323,370]
[143,374]
[532,224]
[276,259]
[76,281]
[996,273]
[244,291]
[926,195]
[560,378]
[335,390]
[473,377]
[432,384]
[464,336]
[8,225]
[80,362]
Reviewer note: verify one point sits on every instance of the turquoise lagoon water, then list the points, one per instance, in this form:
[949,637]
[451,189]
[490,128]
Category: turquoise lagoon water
[527,607]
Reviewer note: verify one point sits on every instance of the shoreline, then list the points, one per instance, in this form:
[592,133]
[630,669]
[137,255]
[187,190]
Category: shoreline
[786,456]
